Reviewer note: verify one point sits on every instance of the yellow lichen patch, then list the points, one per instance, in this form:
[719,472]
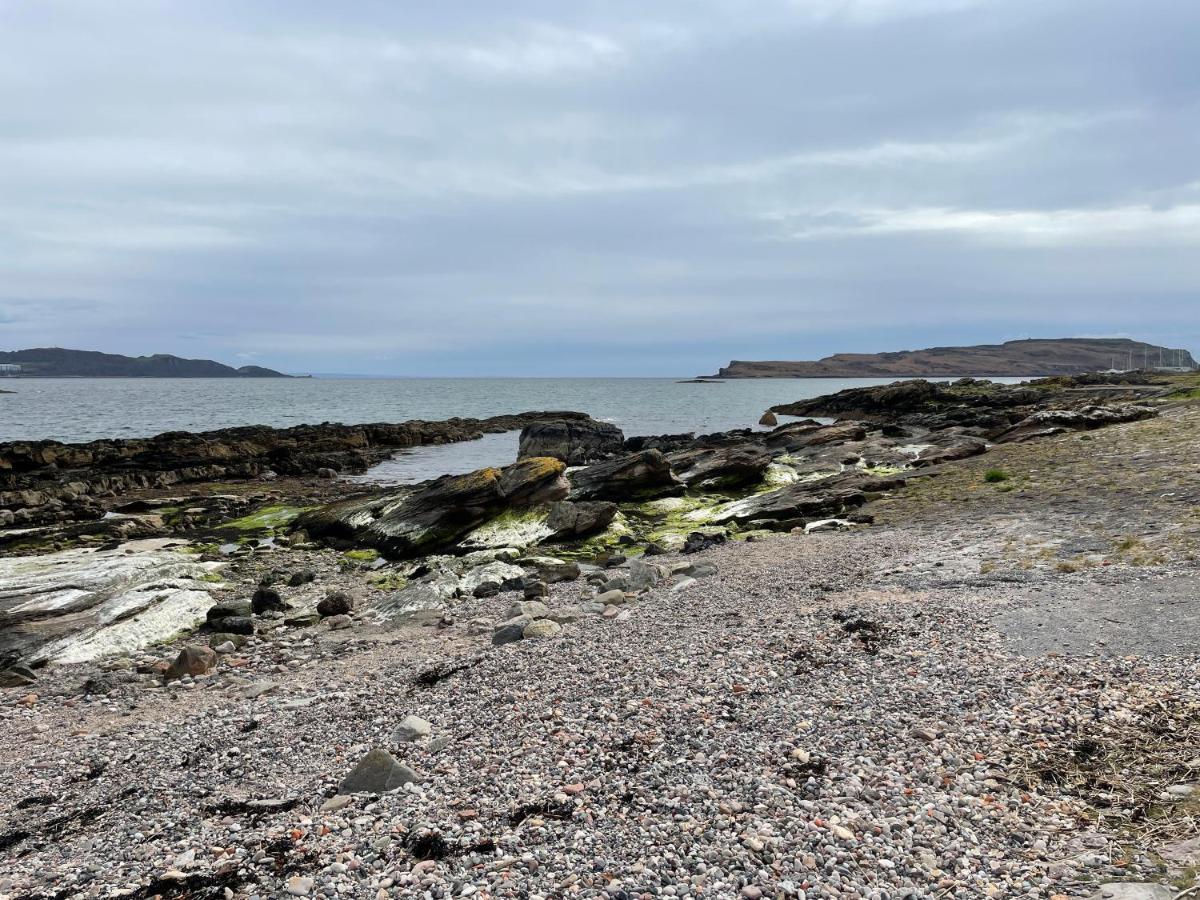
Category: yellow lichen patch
[542,466]
[478,478]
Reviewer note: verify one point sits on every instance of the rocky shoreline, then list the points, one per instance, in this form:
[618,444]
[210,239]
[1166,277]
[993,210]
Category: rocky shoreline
[48,481]
[654,666]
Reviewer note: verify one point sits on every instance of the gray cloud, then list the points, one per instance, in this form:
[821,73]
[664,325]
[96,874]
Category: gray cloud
[545,188]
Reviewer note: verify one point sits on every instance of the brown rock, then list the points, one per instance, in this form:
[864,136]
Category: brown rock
[192,660]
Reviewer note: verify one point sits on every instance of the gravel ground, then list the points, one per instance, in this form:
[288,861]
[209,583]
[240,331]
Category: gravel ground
[850,715]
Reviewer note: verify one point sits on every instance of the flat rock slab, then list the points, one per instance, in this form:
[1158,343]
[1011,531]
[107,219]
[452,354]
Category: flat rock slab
[80,604]
[1144,616]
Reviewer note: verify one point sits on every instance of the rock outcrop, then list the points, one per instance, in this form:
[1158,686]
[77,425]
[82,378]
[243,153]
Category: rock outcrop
[635,476]
[725,467]
[802,502]
[988,409]
[1049,422]
[436,515]
[78,605]
[570,520]
[797,435]
[576,442]
[45,482]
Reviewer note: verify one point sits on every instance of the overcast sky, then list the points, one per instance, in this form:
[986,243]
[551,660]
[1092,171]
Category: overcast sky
[586,188]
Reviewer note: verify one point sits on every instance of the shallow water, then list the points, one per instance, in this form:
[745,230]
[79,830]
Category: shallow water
[84,409]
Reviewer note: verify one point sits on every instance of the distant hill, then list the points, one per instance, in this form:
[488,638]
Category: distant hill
[55,361]
[1035,357]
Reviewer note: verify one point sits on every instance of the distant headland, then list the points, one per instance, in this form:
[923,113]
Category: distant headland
[56,362]
[1032,358]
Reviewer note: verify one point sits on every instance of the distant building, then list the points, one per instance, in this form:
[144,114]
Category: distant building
[9,369]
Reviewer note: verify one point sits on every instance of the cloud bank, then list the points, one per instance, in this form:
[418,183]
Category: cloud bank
[594,188]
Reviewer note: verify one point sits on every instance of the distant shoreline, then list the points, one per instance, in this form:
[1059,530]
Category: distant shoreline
[4,378]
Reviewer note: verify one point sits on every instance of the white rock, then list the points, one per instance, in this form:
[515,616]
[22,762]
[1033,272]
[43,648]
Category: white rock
[413,728]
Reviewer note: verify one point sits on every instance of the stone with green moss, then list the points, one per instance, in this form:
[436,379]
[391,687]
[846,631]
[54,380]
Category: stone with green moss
[268,518]
[510,529]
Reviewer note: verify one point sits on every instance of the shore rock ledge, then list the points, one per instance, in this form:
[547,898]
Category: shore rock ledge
[436,515]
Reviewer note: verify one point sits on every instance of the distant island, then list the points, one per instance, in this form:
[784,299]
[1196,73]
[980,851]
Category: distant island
[1033,357]
[49,362]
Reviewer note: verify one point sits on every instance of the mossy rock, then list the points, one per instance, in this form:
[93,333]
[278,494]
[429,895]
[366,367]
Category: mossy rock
[510,529]
[268,518]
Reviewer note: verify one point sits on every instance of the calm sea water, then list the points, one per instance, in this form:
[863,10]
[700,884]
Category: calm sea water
[84,409]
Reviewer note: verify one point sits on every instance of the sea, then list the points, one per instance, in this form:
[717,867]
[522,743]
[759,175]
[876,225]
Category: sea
[85,409]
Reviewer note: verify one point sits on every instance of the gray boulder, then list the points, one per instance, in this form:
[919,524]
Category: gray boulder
[644,575]
[490,579]
[551,569]
[413,728]
[421,603]
[571,520]
[534,609]
[542,628]
[1048,422]
[375,773]
[1131,890]
[510,631]
[950,448]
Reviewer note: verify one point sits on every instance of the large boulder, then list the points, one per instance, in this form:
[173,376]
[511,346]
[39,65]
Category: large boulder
[642,475]
[571,520]
[550,569]
[721,466]
[437,514]
[574,441]
[422,603]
